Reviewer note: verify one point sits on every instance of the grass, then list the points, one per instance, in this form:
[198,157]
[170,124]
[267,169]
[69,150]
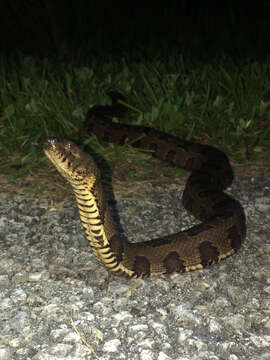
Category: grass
[221,103]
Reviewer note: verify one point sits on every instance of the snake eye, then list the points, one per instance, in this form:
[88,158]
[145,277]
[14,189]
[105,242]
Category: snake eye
[68,145]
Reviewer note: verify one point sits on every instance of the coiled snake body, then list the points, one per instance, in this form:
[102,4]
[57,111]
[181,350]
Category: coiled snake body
[223,227]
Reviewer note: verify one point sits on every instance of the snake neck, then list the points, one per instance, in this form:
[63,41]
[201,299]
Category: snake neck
[97,222]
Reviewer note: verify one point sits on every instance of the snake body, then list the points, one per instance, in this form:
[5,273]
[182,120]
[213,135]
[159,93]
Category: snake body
[223,226]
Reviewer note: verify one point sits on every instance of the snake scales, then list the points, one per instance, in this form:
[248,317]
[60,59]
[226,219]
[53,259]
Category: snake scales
[223,227]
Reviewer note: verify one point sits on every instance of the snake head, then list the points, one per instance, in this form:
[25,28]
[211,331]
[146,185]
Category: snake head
[69,159]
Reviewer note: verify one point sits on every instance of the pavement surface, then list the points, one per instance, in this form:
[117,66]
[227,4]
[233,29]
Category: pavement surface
[57,302]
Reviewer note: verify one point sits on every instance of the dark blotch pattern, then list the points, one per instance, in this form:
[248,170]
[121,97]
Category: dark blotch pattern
[208,252]
[117,247]
[211,173]
[106,136]
[225,214]
[146,130]
[173,262]
[122,140]
[204,214]
[208,193]
[141,266]
[187,201]
[137,143]
[183,144]
[191,163]
[153,147]
[163,136]
[199,179]
[225,203]
[235,238]
[170,156]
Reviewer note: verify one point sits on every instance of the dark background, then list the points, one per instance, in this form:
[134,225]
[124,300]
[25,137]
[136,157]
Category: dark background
[80,28]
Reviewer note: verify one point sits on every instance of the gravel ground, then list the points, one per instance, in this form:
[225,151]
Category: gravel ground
[57,302]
